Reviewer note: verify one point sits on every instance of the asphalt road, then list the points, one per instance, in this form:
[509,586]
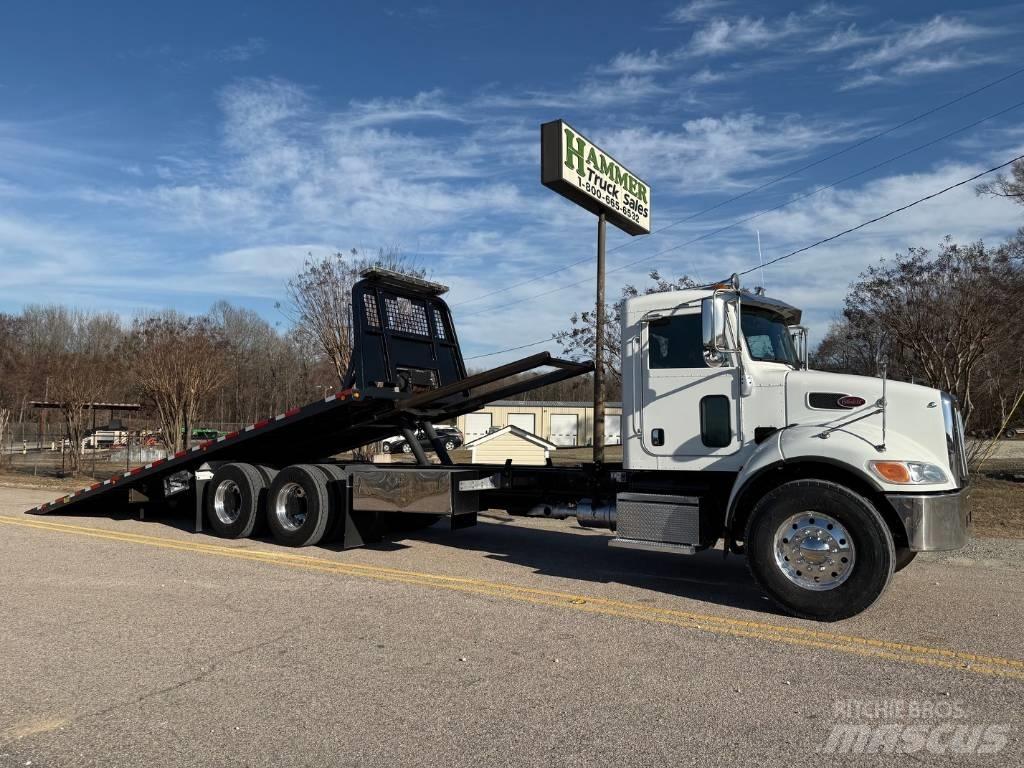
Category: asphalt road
[517,642]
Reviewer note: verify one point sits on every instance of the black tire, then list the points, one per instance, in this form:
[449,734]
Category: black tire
[904,557]
[873,561]
[299,509]
[449,445]
[236,511]
[406,448]
[386,447]
[1011,433]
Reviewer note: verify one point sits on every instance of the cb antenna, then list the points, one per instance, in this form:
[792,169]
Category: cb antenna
[760,258]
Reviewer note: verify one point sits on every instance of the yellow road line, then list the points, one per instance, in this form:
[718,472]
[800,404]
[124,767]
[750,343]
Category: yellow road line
[851,644]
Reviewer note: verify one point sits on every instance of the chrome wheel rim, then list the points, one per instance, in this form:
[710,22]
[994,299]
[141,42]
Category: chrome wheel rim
[814,551]
[290,506]
[227,502]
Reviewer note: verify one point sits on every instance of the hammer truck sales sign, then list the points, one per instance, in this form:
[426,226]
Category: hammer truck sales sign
[577,169]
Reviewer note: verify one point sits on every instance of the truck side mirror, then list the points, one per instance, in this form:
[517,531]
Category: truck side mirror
[799,336]
[713,323]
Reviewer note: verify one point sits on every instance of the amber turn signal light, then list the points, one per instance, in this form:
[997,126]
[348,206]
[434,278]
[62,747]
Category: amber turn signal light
[893,471]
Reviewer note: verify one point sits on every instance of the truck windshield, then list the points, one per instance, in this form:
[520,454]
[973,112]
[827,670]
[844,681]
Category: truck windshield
[768,336]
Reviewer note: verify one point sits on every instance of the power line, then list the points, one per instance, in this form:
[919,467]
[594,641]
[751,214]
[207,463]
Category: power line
[778,207]
[511,349]
[885,215]
[829,239]
[765,185]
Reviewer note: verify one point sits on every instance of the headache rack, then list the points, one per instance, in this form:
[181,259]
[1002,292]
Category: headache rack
[406,373]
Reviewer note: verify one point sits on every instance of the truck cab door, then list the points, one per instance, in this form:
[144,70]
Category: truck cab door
[688,410]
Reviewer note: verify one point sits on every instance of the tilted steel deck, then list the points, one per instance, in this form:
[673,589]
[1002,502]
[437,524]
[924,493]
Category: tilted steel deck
[406,370]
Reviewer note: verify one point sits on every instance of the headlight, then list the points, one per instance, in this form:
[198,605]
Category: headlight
[908,472]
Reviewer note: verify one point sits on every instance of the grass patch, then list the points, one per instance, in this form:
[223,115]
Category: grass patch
[997,508]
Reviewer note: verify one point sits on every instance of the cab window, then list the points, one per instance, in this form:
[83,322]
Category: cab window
[675,342]
[768,337]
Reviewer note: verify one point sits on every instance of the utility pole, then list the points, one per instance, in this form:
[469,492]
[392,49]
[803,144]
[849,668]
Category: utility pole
[599,348]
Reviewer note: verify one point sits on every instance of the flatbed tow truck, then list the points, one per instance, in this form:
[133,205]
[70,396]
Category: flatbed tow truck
[826,483]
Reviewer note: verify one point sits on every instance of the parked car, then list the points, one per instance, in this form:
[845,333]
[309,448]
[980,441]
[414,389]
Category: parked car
[204,433]
[450,437]
[1013,432]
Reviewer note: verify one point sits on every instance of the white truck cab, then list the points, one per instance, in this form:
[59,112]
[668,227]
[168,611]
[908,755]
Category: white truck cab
[830,481]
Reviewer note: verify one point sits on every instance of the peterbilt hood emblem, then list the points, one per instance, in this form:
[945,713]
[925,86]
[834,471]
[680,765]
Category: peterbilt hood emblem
[833,401]
[850,401]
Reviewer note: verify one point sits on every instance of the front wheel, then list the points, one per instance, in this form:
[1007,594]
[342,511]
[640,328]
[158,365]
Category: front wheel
[820,550]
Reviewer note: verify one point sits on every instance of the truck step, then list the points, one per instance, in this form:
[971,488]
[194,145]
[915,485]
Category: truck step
[654,546]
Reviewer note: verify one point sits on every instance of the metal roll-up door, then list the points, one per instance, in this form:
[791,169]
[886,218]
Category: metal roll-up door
[565,429]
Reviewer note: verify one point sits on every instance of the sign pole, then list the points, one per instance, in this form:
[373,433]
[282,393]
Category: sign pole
[577,169]
[599,348]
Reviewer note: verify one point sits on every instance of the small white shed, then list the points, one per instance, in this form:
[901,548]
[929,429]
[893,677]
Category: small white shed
[510,442]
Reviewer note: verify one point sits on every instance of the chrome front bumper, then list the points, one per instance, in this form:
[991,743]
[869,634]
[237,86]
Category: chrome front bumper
[935,521]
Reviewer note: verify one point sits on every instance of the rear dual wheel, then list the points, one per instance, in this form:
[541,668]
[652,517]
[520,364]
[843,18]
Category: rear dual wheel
[235,499]
[295,504]
[299,508]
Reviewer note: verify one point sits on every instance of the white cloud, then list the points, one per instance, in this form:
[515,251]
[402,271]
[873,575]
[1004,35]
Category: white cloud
[926,65]
[424,105]
[292,169]
[706,76]
[715,153]
[591,93]
[638,63]
[960,213]
[919,49]
[695,10]
[936,31]
[292,174]
[720,36]
[861,81]
[843,39]
[273,262]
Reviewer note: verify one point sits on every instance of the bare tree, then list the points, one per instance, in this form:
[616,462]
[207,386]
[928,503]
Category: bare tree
[320,299]
[847,348]
[1001,186]
[5,420]
[76,352]
[9,375]
[177,361]
[946,314]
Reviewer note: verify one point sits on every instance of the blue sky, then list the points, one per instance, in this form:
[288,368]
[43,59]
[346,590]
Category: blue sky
[159,155]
